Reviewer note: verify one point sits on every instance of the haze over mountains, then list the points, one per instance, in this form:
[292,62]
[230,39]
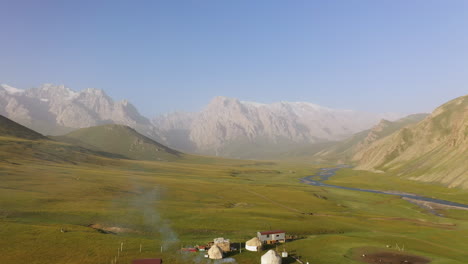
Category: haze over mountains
[345,150]
[230,127]
[121,140]
[226,127]
[56,109]
[432,148]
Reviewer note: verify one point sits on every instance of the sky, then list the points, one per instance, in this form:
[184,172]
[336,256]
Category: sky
[402,56]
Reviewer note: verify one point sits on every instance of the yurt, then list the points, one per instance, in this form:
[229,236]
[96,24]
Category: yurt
[215,252]
[223,244]
[271,257]
[253,244]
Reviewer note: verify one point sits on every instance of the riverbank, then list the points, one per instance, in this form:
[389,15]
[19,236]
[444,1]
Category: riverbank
[319,178]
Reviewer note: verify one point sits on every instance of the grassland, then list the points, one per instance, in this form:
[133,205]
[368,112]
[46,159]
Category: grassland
[193,200]
[121,140]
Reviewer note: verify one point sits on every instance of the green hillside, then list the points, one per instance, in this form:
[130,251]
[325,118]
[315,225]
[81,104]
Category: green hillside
[434,150]
[344,151]
[20,145]
[9,128]
[121,140]
[68,204]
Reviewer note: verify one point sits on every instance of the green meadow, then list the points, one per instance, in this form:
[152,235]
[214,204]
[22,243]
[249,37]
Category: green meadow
[47,208]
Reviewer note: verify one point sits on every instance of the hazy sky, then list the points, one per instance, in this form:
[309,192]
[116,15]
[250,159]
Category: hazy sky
[389,55]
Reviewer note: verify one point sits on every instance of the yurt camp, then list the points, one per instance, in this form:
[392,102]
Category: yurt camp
[253,244]
[215,252]
[271,257]
[223,244]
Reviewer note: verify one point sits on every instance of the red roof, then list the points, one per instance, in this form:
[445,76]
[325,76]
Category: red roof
[272,232]
[189,249]
[147,261]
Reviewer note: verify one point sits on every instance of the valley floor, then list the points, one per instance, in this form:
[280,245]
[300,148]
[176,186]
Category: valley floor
[81,213]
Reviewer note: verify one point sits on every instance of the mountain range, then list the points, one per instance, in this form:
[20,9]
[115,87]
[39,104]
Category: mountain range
[233,128]
[225,127]
[423,147]
[432,150]
[346,150]
[56,109]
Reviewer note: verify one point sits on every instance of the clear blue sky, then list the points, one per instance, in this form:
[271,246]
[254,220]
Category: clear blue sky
[388,55]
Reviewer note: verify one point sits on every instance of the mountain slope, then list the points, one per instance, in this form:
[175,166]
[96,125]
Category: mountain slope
[345,151]
[56,109]
[233,128]
[226,127]
[434,150]
[20,145]
[121,140]
[9,128]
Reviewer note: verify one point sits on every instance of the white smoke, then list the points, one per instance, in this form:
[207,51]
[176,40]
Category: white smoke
[147,202]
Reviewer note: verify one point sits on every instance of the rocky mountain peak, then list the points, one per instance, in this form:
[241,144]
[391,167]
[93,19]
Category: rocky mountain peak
[54,109]
[220,102]
[51,92]
[11,90]
[227,121]
[95,92]
[384,123]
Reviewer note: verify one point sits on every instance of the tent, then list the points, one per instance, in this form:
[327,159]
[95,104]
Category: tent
[215,252]
[223,244]
[271,257]
[253,244]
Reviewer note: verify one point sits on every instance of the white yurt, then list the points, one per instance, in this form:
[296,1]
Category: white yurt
[271,257]
[215,252]
[253,244]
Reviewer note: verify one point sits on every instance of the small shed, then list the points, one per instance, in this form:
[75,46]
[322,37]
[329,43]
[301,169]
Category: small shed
[147,261]
[215,253]
[202,248]
[253,244]
[222,243]
[273,236]
[271,257]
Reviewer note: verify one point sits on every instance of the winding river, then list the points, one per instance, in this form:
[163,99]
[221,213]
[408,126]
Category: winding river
[324,174]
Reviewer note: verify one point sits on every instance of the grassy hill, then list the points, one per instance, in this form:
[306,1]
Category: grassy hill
[433,150]
[9,128]
[121,140]
[20,145]
[344,151]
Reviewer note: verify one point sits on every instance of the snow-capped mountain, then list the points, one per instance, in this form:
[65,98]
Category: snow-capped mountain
[225,127]
[56,109]
[227,123]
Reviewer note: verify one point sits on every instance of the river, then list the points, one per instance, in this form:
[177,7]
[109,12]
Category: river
[324,174]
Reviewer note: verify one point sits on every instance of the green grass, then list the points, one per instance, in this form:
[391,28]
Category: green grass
[121,140]
[10,128]
[392,182]
[196,199]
